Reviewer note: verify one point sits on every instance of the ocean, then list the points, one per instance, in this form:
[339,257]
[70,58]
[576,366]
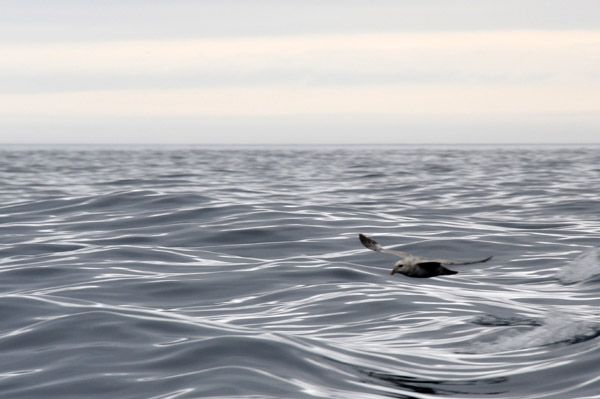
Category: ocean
[236,272]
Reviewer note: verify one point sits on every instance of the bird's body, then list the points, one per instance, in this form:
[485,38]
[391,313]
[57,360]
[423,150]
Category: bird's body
[416,266]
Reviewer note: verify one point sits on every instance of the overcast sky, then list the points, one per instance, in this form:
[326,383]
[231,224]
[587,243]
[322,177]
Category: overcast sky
[300,72]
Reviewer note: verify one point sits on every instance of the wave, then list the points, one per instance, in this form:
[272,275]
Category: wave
[584,267]
[557,327]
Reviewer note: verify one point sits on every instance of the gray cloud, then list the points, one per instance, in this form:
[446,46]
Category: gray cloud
[67,20]
[114,21]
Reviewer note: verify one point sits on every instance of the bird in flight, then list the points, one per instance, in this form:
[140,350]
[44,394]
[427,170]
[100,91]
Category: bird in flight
[416,266]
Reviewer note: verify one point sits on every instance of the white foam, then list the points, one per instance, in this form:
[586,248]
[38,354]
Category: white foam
[583,267]
[557,327]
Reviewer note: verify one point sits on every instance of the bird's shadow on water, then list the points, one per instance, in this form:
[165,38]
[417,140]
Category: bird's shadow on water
[433,387]
[498,321]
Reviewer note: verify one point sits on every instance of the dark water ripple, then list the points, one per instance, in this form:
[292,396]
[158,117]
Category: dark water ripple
[237,273]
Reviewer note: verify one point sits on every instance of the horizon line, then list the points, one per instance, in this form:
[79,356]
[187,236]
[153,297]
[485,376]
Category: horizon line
[155,144]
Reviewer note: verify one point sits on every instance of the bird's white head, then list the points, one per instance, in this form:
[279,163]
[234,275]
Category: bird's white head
[397,267]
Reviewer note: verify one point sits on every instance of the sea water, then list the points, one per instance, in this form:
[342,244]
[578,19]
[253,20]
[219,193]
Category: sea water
[215,272]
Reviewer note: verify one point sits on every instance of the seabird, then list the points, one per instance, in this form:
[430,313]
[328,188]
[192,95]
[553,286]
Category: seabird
[415,266]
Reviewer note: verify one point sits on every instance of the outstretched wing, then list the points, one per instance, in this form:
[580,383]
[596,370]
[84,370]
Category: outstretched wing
[373,246]
[451,262]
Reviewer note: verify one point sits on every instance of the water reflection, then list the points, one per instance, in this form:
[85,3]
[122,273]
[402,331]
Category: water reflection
[440,387]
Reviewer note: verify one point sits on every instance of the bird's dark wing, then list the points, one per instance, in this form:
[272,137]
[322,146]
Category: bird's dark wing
[373,246]
[434,269]
[430,266]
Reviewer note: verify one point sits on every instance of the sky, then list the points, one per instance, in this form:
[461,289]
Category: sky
[299,72]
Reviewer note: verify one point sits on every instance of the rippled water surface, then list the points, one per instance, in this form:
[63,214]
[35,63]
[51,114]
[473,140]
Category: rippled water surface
[237,272]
